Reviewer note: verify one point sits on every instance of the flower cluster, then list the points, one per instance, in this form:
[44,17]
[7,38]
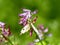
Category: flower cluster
[26,16]
[28,22]
[4,32]
[42,31]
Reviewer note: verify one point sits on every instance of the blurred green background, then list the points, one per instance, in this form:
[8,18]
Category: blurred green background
[48,14]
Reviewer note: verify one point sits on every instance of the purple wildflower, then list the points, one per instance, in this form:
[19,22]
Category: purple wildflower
[28,22]
[5,32]
[42,28]
[46,30]
[42,31]
[24,16]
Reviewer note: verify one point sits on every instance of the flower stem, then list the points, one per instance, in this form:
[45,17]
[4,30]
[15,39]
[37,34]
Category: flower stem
[8,40]
[36,31]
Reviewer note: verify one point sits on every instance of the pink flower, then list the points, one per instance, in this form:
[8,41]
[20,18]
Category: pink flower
[25,16]
[42,28]
[23,21]
[46,30]
[6,32]
[26,13]
[42,31]
[28,22]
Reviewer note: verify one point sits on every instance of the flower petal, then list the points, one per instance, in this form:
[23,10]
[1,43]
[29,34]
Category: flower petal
[2,24]
[34,12]
[23,14]
[46,30]
[41,27]
[26,10]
